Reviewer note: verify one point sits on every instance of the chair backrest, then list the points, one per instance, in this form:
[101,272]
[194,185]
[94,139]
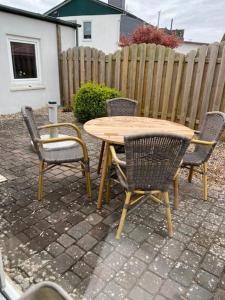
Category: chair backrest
[211,130]
[121,107]
[153,159]
[29,119]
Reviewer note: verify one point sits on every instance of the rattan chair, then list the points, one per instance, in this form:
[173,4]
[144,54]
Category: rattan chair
[57,156]
[208,136]
[118,107]
[152,161]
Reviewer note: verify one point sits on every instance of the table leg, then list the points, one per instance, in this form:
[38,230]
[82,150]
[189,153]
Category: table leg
[103,175]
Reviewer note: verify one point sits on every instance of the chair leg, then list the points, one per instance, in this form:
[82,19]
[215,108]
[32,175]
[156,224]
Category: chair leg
[205,181]
[40,180]
[123,216]
[82,169]
[88,183]
[176,192]
[168,214]
[191,171]
[100,158]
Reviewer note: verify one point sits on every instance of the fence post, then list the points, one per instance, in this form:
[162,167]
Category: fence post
[65,79]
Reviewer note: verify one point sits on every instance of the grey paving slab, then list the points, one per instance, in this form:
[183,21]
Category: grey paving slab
[67,240]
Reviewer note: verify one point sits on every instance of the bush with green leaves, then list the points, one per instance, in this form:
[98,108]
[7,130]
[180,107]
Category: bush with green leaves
[89,102]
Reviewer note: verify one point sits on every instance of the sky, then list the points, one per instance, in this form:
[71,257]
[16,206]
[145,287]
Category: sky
[203,20]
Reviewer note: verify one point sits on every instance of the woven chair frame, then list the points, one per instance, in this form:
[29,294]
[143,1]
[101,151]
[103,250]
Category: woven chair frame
[211,130]
[152,160]
[121,107]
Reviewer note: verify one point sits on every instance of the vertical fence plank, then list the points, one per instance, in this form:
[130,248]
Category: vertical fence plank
[220,83]
[109,71]
[76,69]
[141,73]
[168,83]
[150,52]
[187,86]
[152,78]
[125,70]
[117,69]
[70,74]
[82,66]
[197,85]
[88,63]
[160,65]
[178,86]
[102,68]
[213,52]
[132,74]
[65,82]
[95,65]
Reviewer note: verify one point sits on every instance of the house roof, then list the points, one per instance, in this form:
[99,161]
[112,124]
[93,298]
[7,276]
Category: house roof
[195,43]
[28,14]
[116,9]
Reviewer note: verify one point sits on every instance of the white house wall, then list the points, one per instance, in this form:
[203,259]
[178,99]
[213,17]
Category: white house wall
[187,47]
[11,98]
[68,37]
[105,31]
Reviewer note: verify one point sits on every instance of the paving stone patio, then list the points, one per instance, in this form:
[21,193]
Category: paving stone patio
[66,240]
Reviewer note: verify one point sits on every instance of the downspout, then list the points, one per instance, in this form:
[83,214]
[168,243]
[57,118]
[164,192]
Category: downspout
[77,41]
[59,50]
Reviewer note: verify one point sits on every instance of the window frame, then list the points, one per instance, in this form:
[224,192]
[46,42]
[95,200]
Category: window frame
[87,39]
[25,81]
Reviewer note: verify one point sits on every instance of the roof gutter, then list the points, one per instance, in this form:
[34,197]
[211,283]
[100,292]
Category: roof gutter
[36,16]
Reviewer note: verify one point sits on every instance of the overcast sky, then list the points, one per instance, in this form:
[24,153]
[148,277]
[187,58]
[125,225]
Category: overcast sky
[203,20]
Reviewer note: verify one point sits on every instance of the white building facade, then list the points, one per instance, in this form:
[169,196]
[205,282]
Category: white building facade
[187,46]
[102,24]
[29,58]
[103,33]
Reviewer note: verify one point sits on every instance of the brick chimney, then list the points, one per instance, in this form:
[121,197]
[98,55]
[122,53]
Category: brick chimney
[117,3]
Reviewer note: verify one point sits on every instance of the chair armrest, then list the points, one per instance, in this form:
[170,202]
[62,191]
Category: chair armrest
[201,142]
[70,125]
[63,139]
[115,157]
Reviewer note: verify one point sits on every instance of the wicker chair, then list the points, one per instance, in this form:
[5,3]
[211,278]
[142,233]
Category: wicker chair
[57,156]
[118,107]
[152,161]
[209,134]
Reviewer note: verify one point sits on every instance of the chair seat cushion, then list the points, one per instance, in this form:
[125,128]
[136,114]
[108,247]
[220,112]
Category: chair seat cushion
[63,155]
[192,158]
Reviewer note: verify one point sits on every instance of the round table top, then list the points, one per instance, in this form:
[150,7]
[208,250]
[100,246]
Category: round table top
[113,129]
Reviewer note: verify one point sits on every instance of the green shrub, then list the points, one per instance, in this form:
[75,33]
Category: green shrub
[89,102]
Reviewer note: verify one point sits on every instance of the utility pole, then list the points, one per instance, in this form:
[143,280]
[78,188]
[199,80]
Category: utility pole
[159,14]
[171,25]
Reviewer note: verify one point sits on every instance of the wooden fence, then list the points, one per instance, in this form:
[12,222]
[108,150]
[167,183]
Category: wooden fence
[167,84]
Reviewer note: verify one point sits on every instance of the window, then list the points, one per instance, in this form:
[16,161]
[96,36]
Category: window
[24,60]
[87,30]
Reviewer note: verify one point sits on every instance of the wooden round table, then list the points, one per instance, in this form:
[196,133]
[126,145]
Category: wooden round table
[113,129]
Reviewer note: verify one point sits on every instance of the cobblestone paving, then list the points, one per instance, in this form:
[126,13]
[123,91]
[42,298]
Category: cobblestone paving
[66,240]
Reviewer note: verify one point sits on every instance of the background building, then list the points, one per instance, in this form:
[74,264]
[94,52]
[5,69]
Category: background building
[102,23]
